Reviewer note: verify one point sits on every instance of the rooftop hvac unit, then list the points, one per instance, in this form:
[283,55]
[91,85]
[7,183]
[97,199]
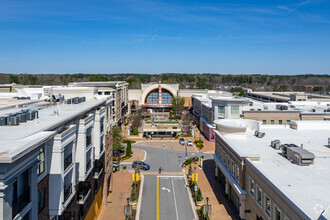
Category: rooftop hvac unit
[22,117]
[298,155]
[276,144]
[81,99]
[68,101]
[75,100]
[3,120]
[259,134]
[14,120]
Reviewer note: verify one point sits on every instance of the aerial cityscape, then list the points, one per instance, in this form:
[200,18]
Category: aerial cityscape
[164,110]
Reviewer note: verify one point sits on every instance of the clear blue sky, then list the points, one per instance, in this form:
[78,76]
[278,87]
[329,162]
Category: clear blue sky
[147,36]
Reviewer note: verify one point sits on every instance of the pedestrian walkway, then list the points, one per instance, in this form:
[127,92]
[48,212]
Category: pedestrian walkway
[221,207]
[122,181]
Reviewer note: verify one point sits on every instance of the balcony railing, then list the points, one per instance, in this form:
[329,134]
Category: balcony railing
[67,192]
[88,141]
[101,148]
[101,128]
[67,161]
[84,190]
[20,202]
[98,169]
[88,165]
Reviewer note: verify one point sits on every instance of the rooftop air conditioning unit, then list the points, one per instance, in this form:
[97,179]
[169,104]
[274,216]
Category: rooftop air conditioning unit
[75,100]
[3,120]
[259,134]
[22,117]
[81,99]
[13,120]
[68,101]
[276,144]
[298,155]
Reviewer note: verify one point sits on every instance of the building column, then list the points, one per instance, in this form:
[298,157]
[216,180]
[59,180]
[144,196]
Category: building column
[227,191]
[242,207]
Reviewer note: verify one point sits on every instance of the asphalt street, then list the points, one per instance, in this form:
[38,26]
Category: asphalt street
[169,160]
[171,202]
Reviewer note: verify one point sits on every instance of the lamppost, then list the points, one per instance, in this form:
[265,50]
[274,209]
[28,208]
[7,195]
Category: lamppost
[195,173]
[186,151]
[128,210]
[207,208]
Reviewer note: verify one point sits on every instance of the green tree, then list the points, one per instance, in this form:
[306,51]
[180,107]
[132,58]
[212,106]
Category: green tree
[129,149]
[199,196]
[178,104]
[117,138]
[14,79]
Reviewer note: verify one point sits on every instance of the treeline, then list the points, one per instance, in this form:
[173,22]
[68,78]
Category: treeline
[185,80]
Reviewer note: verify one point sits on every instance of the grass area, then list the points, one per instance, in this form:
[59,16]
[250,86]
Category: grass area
[163,122]
[121,158]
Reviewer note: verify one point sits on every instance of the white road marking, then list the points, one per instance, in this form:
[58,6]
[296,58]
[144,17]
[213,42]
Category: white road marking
[164,188]
[176,207]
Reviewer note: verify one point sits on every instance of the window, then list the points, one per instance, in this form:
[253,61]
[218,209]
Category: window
[41,158]
[252,187]
[106,93]
[234,110]
[232,168]
[272,122]
[280,122]
[264,122]
[267,205]
[221,109]
[287,122]
[99,93]
[277,213]
[259,195]
[41,199]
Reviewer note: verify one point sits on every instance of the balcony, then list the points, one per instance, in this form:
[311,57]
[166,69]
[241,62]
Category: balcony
[98,169]
[88,141]
[20,202]
[67,192]
[84,191]
[67,161]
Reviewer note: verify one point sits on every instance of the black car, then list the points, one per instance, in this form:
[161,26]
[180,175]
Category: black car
[141,165]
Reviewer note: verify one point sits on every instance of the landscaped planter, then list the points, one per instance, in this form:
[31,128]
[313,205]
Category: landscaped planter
[199,203]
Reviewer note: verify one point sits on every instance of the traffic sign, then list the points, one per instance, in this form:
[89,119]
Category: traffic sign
[186,158]
[195,188]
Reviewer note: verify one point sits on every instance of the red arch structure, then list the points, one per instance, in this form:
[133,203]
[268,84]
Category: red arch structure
[159,97]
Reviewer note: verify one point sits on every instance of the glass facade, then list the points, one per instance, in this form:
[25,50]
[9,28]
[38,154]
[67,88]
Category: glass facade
[153,96]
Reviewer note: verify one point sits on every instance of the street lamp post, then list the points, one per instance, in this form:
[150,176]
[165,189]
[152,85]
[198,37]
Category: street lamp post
[128,210]
[186,151]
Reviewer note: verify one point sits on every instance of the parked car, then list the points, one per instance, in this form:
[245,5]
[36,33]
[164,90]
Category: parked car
[181,141]
[189,143]
[141,165]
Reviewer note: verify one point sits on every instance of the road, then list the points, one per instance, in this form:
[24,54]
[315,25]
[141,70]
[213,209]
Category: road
[166,197]
[169,160]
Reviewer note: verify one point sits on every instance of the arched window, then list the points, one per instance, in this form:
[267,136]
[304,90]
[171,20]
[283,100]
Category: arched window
[166,96]
[152,96]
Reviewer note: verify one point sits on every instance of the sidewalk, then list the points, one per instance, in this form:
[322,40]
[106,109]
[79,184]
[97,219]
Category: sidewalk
[122,181]
[221,207]
[137,155]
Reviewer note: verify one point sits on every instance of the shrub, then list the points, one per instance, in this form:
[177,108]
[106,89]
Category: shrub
[129,149]
[199,196]
[124,167]
[135,131]
[147,137]
[188,161]
[190,170]
[194,159]
[133,196]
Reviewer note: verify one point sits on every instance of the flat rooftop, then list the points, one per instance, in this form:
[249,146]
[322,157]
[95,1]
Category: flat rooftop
[306,186]
[17,139]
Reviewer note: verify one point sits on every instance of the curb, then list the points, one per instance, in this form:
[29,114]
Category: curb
[145,155]
[190,198]
[137,216]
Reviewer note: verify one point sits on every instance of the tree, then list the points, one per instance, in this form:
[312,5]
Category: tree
[178,104]
[129,149]
[199,196]
[117,138]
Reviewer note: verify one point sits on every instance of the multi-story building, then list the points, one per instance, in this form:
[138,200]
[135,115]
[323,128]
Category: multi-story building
[55,158]
[268,179]
[119,90]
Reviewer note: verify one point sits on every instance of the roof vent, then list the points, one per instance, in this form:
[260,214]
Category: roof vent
[298,155]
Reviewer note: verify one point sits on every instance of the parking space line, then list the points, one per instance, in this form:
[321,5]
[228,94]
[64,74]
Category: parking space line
[157,198]
[176,207]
